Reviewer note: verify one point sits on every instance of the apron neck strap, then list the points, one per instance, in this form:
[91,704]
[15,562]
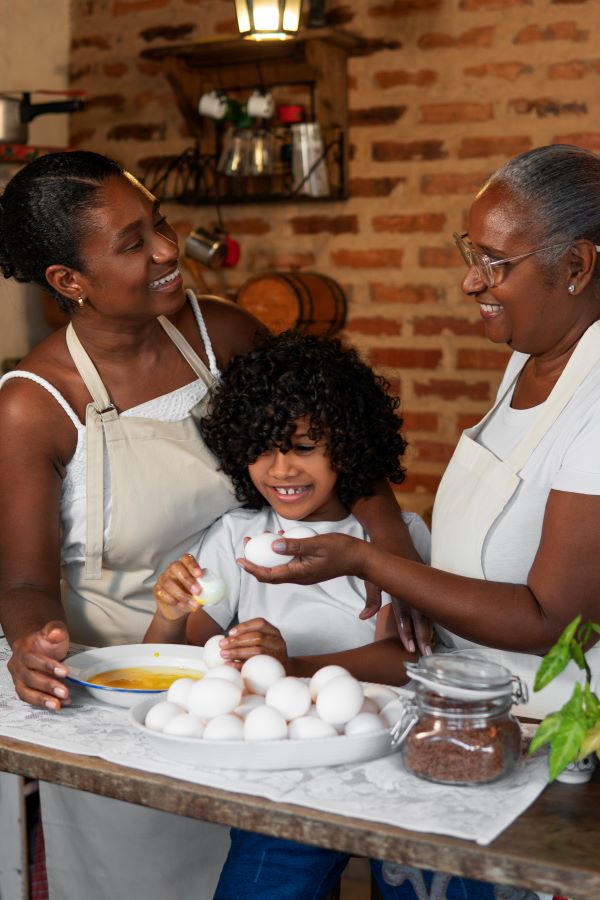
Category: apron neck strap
[187,351]
[88,371]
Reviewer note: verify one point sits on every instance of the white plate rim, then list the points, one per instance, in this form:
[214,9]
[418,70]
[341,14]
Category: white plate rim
[272,754]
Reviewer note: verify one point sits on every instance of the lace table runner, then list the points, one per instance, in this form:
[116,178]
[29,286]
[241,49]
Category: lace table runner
[379,791]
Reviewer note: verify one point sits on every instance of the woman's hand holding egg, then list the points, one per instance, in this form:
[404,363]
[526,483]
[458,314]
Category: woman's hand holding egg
[253,638]
[184,586]
[258,550]
[310,560]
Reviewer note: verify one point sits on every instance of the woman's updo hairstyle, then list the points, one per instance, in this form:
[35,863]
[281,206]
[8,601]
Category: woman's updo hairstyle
[558,188]
[44,214]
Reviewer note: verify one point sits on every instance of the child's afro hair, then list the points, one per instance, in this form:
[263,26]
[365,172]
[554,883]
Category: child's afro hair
[288,376]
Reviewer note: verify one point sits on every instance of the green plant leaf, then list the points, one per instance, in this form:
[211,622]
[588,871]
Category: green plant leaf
[569,632]
[550,726]
[565,745]
[591,706]
[591,741]
[557,658]
[576,653]
[553,663]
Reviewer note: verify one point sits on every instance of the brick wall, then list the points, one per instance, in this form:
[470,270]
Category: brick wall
[451,89]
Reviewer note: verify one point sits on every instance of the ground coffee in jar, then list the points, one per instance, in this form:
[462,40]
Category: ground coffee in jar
[458,728]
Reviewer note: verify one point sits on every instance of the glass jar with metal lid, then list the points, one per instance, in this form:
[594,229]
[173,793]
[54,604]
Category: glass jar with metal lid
[458,728]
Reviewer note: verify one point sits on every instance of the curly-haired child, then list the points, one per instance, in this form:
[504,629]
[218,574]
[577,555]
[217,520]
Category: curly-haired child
[304,429]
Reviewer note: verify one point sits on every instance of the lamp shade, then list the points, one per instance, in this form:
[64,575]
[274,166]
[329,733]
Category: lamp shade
[268,20]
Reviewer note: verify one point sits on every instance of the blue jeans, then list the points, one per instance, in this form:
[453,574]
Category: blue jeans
[272,869]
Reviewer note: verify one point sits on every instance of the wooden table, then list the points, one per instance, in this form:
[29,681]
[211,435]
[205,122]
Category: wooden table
[553,847]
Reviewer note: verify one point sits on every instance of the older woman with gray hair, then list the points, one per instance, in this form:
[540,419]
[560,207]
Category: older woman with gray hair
[515,552]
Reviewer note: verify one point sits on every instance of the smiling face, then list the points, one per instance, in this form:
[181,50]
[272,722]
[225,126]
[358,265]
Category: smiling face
[131,255]
[530,308]
[299,484]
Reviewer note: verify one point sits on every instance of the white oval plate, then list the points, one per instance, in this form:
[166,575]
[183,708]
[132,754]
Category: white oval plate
[285,754]
[83,666]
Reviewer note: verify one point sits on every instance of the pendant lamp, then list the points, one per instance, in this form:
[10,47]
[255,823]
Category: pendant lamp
[268,20]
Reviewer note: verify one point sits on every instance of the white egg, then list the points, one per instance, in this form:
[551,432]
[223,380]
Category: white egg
[159,714]
[249,701]
[322,676]
[392,712]
[260,672]
[224,728]
[299,531]
[212,652]
[213,589]
[307,727]
[369,706]
[313,711]
[213,697]
[340,699]
[229,673]
[364,723]
[180,690]
[265,724]
[290,696]
[258,551]
[380,693]
[184,725]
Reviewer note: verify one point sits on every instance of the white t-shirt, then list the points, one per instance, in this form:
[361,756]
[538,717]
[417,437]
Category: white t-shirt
[313,619]
[566,459]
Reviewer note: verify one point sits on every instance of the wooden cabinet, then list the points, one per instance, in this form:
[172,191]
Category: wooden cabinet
[316,60]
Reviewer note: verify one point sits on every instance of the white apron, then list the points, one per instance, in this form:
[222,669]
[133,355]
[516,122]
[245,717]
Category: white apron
[165,490]
[473,493]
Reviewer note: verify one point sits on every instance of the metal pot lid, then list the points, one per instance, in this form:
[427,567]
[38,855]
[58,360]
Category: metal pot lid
[462,675]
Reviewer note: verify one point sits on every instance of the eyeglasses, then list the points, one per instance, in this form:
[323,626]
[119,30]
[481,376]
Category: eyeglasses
[487,268]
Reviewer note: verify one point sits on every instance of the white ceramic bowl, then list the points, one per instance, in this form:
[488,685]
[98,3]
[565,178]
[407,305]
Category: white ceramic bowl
[84,666]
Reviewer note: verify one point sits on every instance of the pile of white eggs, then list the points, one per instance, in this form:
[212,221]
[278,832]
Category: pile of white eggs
[262,703]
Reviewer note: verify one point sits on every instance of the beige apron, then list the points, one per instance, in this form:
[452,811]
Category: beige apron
[474,491]
[165,491]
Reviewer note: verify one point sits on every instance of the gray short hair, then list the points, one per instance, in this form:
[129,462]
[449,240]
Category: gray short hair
[559,187]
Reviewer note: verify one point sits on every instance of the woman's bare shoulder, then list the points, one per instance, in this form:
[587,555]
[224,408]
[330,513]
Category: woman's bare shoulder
[29,413]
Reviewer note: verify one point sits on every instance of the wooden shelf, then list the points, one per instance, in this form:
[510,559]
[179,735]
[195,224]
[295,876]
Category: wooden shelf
[235,50]
[316,58]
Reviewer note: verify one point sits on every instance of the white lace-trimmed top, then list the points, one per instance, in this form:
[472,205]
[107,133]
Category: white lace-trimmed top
[171,407]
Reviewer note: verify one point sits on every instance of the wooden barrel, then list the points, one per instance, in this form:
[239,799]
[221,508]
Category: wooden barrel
[306,301]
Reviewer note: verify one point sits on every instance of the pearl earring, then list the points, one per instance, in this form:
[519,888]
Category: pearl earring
[571,289]
[80,301]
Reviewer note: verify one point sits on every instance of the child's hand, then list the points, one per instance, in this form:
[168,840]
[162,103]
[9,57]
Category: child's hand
[176,588]
[252,638]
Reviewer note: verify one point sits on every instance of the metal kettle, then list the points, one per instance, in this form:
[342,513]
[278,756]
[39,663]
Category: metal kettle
[16,111]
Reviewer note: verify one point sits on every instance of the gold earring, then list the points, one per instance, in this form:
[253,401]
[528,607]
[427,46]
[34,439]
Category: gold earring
[80,301]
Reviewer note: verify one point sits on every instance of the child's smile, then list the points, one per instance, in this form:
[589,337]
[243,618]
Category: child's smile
[299,484]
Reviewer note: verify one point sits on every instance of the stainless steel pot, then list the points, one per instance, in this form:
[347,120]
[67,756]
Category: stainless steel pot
[16,111]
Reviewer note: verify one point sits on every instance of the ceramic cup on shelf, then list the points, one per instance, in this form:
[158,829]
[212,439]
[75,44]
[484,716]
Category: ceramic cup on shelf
[213,104]
[260,105]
